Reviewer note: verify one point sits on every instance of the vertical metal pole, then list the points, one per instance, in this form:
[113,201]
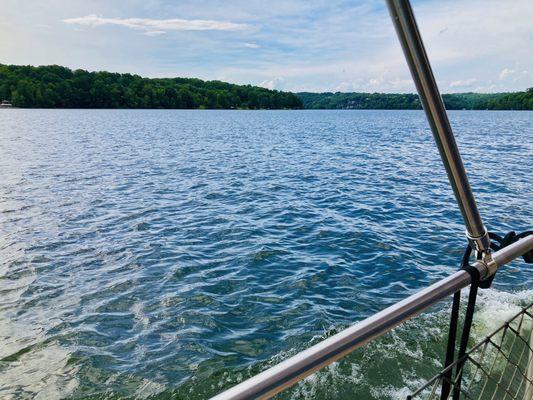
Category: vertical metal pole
[413,48]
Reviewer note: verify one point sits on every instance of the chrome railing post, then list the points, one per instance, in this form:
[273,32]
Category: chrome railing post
[415,53]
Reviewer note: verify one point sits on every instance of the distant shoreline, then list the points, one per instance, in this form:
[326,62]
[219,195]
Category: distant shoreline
[392,101]
[56,87]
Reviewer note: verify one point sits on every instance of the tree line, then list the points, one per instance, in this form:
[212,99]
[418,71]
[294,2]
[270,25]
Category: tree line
[54,86]
[381,101]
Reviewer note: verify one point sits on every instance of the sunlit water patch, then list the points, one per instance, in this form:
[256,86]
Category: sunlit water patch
[148,254]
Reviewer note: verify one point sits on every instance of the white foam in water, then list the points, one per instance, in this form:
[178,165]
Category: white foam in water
[148,389]
[309,387]
[390,392]
[137,309]
[494,307]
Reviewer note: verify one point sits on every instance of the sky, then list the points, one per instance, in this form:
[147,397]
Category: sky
[296,45]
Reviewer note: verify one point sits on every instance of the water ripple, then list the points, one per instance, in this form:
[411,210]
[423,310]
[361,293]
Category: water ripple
[175,253]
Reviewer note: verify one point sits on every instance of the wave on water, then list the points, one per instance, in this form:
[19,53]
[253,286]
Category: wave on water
[174,253]
[397,364]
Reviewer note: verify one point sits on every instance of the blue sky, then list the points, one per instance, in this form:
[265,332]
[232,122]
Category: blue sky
[474,45]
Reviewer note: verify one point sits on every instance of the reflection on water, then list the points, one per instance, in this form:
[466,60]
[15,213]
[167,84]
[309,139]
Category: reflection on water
[38,367]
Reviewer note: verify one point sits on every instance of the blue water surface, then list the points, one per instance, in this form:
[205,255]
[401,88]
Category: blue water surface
[172,254]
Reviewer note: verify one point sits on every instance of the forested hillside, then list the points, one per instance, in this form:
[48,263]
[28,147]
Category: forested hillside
[454,101]
[59,87]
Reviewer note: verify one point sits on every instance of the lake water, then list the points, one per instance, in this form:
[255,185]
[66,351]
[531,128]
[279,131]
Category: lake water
[158,254]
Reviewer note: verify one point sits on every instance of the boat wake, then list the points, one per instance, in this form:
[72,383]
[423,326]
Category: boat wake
[392,367]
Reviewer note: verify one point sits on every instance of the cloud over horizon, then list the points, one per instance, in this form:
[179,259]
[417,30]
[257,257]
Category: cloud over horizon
[297,45]
[155,27]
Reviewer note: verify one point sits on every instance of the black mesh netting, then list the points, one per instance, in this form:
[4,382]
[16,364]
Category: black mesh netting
[498,368]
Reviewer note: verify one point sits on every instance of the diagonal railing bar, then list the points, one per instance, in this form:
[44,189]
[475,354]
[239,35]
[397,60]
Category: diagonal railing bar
[415,53]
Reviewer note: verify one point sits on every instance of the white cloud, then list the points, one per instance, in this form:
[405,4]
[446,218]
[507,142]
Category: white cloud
[376,84]
[463,83]
[322,45]
[458,48]
[273,83]
[478,30]
[402,84]
[505,73]
[154,33]
[157,26]
[515,75]
[485,89]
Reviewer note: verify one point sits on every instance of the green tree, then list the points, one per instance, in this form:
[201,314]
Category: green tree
[55,86]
